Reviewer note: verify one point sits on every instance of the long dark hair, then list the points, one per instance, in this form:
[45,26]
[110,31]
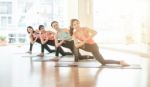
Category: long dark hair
[30,28]
[71,26]
[71,30]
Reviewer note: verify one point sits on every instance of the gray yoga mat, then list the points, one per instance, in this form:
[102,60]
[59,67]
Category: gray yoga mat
[86,65]
[36,55]
[29,56]
[61,59]
[46,59]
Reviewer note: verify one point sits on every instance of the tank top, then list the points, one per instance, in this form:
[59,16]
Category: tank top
[47,34]
[82,34]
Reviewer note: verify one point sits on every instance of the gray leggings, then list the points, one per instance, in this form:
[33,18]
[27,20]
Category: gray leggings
[94,49]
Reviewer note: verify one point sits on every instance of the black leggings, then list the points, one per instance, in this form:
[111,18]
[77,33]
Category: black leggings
[52,43]
[70,45]
[39,41]
[94,49]
[67,44]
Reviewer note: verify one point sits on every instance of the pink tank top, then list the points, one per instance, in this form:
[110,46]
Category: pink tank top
[82,34]
[47,34]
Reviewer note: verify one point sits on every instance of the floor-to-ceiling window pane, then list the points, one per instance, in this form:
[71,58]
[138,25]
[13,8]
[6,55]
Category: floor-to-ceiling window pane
[121,22]
[16,15]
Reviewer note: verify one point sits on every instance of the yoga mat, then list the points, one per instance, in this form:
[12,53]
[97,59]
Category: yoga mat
[36,55]
[45,55]
[61,59]
[48,59]
[86,65]
[28,56]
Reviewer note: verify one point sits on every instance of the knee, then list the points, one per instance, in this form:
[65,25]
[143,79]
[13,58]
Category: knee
[101,60]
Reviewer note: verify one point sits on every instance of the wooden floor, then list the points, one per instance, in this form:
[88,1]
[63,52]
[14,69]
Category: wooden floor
[19,71]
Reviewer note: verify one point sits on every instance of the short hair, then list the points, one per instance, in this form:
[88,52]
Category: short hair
[40,26]
[53,22]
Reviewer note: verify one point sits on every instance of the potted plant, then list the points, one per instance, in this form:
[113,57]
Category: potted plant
[2,40]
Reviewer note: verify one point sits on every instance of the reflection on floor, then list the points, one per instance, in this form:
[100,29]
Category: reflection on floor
[19,71]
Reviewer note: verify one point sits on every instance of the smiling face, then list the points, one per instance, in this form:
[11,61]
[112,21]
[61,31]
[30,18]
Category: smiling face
[75,24]
[30,30]
[42,29]
[55,26]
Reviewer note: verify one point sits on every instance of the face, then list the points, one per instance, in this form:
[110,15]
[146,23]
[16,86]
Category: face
[55,26]
[76,24]
[42,29]
[30,30]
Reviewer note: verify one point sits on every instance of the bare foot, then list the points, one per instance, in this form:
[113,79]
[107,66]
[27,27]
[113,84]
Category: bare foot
[75,64]
[29,52]
[41,55]
[123,63]
[55,59]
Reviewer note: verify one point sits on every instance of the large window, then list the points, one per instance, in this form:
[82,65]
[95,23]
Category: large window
[5,14]
[121,21]
[5,7]
[43,12]
[16,15]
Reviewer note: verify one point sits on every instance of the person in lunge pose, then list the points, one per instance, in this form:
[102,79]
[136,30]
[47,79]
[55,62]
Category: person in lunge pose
[64,39]
[83,40]
[47,38]
[34,37]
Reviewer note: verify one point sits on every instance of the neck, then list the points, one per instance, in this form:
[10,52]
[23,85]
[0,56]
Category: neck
[59,29]
[77,29]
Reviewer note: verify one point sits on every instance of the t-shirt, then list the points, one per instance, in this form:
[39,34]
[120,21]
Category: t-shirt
[83,34]
[63,34]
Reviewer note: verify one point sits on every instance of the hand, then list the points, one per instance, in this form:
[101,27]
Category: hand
[60,43]
[80,44]
[32,42]
[63,42]
[77,46]
[57,46]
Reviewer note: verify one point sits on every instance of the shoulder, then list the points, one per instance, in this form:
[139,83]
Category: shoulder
[50,32]
[88,29]
[85,28]
[37,30]
[65,29]
[31,35]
